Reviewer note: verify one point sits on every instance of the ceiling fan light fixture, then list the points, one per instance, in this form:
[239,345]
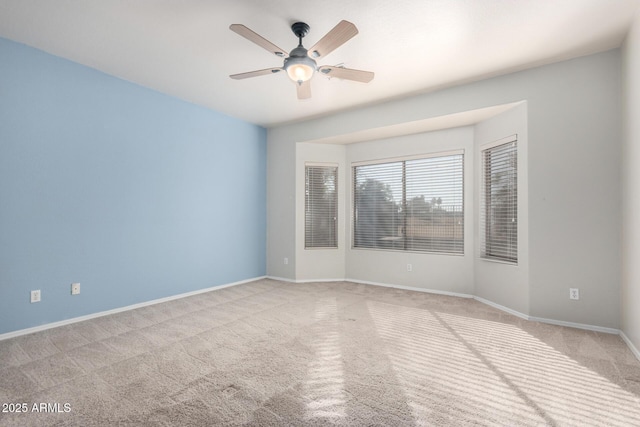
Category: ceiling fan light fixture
[300,68]
[300,72]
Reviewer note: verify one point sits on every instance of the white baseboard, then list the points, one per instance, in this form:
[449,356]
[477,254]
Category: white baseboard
[494,305]
[120,309]
[548,321]
[320,280]
[365,282]
[282,279]
[576,325]
[502,308]
[632,347]
[411,288]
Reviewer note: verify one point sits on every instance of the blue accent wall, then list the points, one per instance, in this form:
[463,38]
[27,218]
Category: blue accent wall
[135,194]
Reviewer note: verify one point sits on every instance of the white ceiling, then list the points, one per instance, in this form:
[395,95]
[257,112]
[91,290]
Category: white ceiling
[184,48]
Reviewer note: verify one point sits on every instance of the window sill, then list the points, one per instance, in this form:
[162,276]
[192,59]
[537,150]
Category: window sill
[500,261]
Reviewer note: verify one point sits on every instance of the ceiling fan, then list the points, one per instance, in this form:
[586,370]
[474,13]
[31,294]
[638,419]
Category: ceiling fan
[300,64]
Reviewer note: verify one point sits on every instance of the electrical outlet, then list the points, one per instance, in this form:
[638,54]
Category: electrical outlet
[75,288]
[35,296]
[286,261]
[574,293]
[409,267]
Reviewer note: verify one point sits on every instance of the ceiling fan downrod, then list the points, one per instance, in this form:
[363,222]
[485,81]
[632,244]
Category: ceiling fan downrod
[300,29]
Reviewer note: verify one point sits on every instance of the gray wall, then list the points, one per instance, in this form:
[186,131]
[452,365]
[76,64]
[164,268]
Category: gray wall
[630,323]
[281,210]
[573,125]
[574,189]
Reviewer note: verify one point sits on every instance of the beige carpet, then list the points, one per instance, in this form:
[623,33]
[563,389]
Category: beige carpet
[274,353]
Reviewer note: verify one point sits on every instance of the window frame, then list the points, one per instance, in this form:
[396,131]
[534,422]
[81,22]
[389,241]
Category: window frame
[484,197]
[336,202]
[403,202]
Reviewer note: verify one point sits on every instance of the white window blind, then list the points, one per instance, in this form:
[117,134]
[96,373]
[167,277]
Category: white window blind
[499,208]
[410,205]
[321,207]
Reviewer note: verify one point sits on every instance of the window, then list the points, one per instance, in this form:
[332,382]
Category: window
[321,206]
[499,209]
[410,205]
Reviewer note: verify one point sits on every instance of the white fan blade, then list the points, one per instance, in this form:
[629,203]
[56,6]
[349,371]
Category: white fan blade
[304,90]
[335,38]
[255,73]
[346,73]
[258,39]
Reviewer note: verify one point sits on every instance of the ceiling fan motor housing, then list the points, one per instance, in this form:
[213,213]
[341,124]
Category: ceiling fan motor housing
[299,67]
